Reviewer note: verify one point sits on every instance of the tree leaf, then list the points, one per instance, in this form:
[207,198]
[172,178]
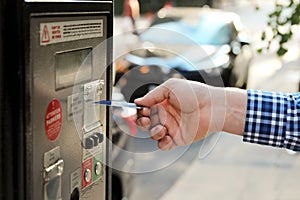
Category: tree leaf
[281,51]
[285,38]
[260,50]
[263,36]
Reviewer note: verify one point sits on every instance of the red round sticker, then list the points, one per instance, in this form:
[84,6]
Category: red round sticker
[53,120]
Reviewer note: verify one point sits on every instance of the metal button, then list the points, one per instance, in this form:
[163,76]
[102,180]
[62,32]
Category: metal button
[98,168]
[87,175]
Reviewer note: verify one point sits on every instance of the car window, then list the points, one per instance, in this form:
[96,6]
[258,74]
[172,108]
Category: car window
[213,30]
[210,30]
[169,33]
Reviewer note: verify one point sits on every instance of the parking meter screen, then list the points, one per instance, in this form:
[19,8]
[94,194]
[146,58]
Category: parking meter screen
[71,66]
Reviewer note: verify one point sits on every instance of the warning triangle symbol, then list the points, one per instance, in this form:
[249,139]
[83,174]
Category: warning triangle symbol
[45,35]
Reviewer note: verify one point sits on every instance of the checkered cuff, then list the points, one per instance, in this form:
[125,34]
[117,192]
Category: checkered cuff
[273,119]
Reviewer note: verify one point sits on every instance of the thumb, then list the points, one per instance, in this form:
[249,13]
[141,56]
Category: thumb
[155,96]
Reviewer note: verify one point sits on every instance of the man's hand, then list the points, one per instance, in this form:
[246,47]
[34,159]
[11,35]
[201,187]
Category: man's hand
[180,112]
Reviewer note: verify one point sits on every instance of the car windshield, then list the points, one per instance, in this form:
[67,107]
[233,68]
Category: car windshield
[209,30]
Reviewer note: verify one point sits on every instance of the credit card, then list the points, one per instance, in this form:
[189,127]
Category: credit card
[118,104]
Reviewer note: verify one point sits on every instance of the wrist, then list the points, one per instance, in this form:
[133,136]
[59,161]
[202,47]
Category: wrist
[235,110]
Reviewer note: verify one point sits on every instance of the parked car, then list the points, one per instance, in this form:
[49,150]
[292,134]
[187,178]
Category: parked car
[202,44]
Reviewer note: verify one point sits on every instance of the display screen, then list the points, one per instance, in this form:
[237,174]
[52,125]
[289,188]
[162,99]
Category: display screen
[73,67]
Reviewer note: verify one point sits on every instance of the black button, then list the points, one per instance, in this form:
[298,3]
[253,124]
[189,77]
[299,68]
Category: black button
[100,136]
[88,143]
[96,140]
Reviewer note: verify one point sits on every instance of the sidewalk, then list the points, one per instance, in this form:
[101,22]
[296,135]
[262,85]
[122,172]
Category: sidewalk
[240,171]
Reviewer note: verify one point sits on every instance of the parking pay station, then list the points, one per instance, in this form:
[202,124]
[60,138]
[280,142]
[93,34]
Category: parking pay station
[55,62]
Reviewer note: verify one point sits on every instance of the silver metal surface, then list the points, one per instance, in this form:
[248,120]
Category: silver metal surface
[88,175]
[69,139]
[54,170]
[98,168]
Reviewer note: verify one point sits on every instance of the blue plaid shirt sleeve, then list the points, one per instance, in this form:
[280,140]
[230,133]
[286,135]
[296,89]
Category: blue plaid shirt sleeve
[273,119]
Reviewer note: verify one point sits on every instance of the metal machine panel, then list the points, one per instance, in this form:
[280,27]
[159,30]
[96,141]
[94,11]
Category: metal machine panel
[53,138]
[69,62]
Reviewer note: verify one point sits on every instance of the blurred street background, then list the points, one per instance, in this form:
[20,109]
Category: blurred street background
[222,166]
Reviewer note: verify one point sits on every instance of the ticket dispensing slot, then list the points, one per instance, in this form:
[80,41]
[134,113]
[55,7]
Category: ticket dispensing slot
[53,170]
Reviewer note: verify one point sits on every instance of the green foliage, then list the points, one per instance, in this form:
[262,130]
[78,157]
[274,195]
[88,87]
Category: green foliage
[280,25]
